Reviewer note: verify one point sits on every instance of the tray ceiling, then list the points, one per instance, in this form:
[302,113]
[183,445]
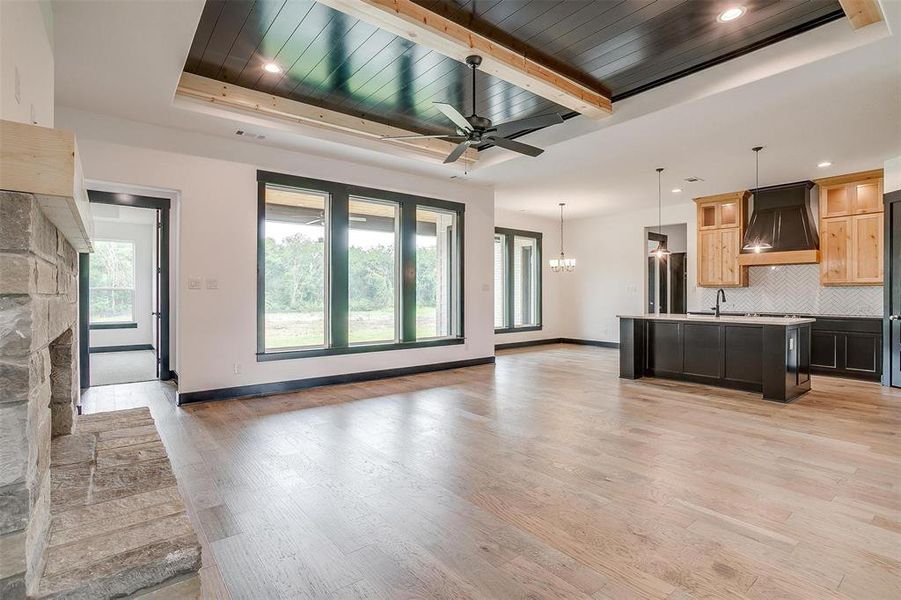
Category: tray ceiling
[337,62]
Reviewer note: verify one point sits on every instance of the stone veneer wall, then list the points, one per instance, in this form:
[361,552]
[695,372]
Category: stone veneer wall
[39,384]
[797,289]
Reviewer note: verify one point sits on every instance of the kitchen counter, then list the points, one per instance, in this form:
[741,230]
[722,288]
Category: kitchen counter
[695,317]
[766,354]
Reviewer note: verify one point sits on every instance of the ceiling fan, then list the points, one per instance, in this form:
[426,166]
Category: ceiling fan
[473,130]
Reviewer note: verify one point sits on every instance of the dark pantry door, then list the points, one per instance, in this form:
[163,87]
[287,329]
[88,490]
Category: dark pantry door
[893,286]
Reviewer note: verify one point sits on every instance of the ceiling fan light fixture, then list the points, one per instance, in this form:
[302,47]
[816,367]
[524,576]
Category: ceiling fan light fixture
[731,13]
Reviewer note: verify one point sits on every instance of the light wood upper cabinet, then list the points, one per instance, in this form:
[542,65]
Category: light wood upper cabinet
[710,262]
[720,229]
[835,249]
[851,229]
[866,248]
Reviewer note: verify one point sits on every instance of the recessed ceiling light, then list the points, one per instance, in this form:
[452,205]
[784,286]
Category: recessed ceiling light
[677,190]
[824,164]
[272,68]
[730,14]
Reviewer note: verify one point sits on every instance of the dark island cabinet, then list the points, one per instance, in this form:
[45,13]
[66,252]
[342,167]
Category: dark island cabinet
[848,347]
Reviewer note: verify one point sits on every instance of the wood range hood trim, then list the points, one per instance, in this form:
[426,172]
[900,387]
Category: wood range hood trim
[792,257]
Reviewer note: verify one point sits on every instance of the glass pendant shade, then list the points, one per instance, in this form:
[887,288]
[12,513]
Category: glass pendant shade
[661,250]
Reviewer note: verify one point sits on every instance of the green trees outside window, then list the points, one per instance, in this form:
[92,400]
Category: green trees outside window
[336,268]
[112,282]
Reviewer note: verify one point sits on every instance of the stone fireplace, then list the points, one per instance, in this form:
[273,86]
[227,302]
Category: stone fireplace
[39,384]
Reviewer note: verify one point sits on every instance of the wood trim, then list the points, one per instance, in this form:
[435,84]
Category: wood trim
[412,22]
[796,257]
[45,162]
[728,197]
[849,178]
[235,97]
[862,12]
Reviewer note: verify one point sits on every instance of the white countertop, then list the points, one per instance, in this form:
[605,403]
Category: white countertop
[721,319]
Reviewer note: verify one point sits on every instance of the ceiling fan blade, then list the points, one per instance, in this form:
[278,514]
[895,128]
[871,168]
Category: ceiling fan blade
[420,137]
[454,115]
[505,129]
[515,146]
[458,152]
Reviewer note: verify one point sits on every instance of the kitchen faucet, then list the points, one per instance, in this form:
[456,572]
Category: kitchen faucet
[719,293]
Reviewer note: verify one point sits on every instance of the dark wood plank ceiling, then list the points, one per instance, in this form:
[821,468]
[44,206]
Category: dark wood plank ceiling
[338,62]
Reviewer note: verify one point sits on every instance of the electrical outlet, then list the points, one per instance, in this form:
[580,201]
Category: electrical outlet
[237,368]
[212,284]
[193,283]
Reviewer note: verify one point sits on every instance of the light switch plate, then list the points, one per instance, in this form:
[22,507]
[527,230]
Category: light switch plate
[193,283]
[212,284]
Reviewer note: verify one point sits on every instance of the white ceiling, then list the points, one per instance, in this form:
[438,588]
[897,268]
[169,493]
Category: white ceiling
[830,94]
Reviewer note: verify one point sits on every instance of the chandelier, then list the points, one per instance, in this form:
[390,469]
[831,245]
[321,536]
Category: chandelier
[562,263]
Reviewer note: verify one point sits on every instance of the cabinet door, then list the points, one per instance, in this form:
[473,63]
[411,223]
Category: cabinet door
[835,201]
[710,258]
[707,216]
[731,247]
[835,245]
[866,248]
[867,197]
[728,214]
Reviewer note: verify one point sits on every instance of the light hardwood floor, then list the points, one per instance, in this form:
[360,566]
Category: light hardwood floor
[544,476]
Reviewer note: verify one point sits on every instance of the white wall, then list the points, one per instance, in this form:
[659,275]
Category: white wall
[26,48]
[216,180]
[550,282]
[142,236]
[612,268]
[892,170]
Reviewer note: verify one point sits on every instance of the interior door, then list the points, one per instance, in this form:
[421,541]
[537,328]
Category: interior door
[893,287]
[157,300]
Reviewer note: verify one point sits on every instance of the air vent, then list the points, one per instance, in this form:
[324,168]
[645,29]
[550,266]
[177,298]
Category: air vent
[250,134]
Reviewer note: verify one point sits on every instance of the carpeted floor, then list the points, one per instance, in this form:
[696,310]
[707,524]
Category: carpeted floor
[122,367]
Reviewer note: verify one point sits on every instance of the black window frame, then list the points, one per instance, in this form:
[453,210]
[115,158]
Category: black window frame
[337,269]
[509,235]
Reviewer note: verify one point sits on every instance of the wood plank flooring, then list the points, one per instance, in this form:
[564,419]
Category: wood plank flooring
[544,476]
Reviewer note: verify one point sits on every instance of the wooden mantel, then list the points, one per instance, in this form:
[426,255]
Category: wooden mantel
[45,162]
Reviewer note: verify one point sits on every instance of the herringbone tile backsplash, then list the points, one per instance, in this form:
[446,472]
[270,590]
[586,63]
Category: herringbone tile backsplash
[797,289]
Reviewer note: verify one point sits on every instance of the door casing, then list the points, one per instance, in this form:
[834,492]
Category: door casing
[163,206]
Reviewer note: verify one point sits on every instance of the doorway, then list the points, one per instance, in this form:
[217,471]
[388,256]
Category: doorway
[666,281]
[892,328]
[124,291]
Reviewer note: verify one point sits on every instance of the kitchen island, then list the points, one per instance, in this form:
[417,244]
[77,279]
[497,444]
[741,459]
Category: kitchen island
[770,355]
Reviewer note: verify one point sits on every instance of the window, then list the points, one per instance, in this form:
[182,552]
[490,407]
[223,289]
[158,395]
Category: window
[517,280]
[372,272]
[436,286]
[295,231]
[349,269]
[500,280]
[112,282]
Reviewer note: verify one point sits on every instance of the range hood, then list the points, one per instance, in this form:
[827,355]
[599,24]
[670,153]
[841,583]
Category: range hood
[782,229]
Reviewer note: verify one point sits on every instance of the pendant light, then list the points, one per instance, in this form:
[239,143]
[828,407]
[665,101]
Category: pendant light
[661,250]
[562,263]
[757,245]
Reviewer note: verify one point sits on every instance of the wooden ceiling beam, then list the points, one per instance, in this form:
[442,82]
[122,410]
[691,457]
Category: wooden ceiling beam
[226,95]
[412,22]
[862,12]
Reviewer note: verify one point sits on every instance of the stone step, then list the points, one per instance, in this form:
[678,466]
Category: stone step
[119,526]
